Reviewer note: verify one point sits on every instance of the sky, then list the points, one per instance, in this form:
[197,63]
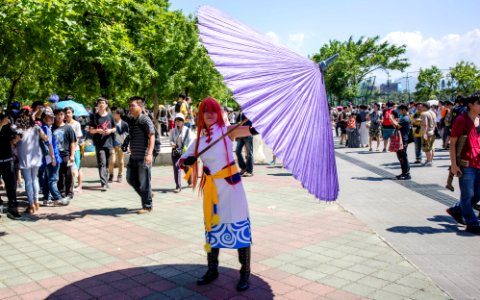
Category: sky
[439,33]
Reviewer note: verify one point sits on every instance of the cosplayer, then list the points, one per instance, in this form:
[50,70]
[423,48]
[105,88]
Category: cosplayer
[226,217]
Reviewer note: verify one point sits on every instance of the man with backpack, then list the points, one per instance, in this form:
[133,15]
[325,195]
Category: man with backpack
[102,128]
[142,143]
[387,125]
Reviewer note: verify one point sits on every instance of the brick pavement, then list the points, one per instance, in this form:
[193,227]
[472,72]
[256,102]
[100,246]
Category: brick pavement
[98,248]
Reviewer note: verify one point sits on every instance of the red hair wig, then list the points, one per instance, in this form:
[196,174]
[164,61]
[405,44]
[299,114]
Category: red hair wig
[208,104]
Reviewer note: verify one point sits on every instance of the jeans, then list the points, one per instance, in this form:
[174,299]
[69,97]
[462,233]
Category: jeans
[48,176]
[177,173]
[469,195]
[117,156]
[403,159]
[248,143]
[139,177]
[418,148]
[7,171]
[103,157]
[31,184]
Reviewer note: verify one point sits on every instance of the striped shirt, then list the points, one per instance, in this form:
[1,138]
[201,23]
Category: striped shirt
[140,129]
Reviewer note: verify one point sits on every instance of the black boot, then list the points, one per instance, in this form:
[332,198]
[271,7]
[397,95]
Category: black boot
[244,259]
[212,272]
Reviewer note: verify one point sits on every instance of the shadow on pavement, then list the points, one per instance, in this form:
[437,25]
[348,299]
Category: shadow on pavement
[2,233]
[370,178]
[174,281]
[113,212]
[280,174]
[448,224]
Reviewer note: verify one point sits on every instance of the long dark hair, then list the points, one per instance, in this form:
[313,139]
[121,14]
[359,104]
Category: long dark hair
[24,120]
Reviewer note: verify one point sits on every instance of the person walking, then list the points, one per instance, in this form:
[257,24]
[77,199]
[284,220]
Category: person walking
[48,173]
[362,126]
[7,165]
[226,215]
[180,140]
[66,143]
[428,132]
[77,166]
[142,140]
[102,127]
[416,121]
[246,166]
[469,168]
[387,125]
[29,155]
[375,118]
[121,133]
[401,122]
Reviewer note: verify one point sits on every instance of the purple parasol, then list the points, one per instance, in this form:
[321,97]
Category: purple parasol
[281,92]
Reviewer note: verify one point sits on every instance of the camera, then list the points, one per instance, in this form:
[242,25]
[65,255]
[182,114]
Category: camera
[126,143]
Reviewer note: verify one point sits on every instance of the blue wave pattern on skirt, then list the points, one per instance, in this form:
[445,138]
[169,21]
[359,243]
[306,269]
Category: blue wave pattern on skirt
[230,235]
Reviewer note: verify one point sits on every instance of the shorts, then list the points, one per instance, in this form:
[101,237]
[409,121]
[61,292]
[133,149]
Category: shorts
[427,144]
[374,132]
[387,133]
[77,159]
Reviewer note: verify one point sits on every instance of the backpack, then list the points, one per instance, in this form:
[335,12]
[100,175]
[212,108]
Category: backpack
[386,117]
[178,105]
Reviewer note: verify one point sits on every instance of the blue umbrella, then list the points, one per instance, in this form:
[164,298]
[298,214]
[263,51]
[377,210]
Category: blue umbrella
[78,108]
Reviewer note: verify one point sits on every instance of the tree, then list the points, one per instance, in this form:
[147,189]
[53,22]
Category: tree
[428,83]
[467,78]
[357,60]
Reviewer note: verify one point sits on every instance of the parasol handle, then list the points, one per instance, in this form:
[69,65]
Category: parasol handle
[325,63]
[222,137]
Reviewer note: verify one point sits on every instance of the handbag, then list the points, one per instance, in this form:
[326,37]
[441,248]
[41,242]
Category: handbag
[396,143]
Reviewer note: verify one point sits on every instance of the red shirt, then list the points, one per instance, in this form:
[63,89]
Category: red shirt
[471,151]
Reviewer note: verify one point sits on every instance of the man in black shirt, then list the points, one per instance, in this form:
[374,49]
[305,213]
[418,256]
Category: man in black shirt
[247,142]
[66,142]
[142,141]
[102,128]
[7,166]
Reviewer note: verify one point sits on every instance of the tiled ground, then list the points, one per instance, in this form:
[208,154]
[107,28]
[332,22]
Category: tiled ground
[98,248]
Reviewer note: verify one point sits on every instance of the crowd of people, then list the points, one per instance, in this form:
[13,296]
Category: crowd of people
[398,125]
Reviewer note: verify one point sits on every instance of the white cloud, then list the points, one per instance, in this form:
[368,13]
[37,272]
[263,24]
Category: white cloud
[296,39]
[272,36]
[443,52]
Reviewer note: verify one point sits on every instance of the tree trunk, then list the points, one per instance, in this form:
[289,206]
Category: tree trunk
[11,93]
[155,102]
[102,79]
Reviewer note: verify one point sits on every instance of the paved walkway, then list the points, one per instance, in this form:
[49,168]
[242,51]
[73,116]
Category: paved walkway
[98,248]
[410,215]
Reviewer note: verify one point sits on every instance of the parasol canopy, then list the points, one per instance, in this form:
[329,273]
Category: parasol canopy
[78,108]
[281,92]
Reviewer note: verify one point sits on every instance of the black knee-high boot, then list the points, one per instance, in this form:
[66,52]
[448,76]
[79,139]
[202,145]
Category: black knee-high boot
[244,259]
[212,272]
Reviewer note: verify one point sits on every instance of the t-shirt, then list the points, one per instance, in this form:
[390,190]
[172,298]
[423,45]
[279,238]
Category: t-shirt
[139,130]
[64,137]
[5,138]
[375,118]
[51,140]
[77,128]
[471,151]
[28,149]
[428,118]
[404,121]
[103,122]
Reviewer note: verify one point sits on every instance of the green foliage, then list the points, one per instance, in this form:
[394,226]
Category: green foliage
[102,47]
[357,60]
[467,78]
[428,84]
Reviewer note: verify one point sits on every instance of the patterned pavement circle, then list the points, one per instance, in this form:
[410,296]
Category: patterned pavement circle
[98,248]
